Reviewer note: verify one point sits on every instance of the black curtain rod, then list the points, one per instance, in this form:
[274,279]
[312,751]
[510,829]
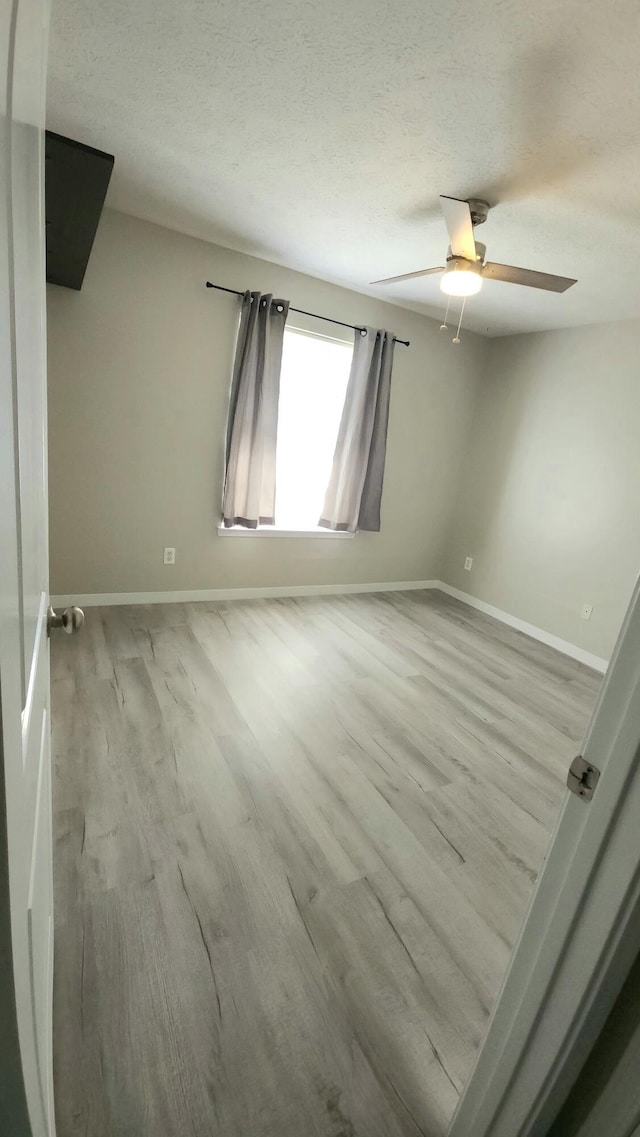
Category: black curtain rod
[301,312]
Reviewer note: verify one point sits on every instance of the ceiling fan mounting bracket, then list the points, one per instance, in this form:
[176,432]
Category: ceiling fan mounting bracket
[478,209]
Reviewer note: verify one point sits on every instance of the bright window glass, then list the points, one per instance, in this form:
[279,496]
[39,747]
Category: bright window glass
[313,383]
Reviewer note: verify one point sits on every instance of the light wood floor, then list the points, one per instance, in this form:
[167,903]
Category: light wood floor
[294,842]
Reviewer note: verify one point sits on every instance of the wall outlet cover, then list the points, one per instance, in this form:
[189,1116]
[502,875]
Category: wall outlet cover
[169,556]
[585,612]
[468,563]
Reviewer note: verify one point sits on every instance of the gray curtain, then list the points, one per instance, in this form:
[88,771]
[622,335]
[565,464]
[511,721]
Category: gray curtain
[250,480]
[353,496]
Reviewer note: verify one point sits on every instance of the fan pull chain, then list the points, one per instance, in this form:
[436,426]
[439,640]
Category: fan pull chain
[443,327]
[456,338]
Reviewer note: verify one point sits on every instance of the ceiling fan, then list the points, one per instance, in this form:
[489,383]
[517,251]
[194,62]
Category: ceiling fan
[466,267]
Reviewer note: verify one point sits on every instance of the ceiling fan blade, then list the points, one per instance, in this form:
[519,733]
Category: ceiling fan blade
[409,275]
[528,276]
[457,216]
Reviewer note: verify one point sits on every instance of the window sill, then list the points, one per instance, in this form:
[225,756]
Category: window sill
[271,531]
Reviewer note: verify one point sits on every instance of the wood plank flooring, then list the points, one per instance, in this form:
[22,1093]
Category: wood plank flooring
[294,842]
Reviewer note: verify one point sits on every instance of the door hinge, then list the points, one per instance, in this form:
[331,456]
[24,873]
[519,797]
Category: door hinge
[582,778]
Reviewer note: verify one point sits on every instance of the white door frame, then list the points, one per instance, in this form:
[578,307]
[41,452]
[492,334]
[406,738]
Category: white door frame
[26,881]
[582,931]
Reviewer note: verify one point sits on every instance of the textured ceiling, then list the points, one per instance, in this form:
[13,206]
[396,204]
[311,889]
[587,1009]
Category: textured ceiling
[320,134]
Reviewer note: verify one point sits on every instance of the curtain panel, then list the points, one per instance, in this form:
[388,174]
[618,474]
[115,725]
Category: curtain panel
[252,429]
[354,492]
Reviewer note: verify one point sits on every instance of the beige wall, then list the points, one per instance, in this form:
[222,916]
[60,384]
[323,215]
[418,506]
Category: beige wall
[549,498]
[139,366]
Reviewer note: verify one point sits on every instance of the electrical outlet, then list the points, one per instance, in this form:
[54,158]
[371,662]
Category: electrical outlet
[169,556]
[585,612]
[468,563]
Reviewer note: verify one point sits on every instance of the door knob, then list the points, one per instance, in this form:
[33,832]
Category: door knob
[71,620]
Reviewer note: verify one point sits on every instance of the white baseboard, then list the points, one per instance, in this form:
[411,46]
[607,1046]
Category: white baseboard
[586,657]
[109,599]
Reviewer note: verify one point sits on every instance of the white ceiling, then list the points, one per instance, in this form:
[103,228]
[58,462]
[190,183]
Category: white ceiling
[319,134]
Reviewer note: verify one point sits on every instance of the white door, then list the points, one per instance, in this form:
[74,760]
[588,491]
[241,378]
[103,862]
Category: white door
[582,932]
[26,900]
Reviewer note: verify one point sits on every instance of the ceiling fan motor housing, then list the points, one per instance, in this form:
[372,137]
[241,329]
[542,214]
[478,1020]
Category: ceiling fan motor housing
[478,209]
[481,251]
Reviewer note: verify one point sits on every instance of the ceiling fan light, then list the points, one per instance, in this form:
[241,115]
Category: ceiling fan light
[461,278]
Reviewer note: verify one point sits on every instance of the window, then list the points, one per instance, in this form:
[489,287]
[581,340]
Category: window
[313,383]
